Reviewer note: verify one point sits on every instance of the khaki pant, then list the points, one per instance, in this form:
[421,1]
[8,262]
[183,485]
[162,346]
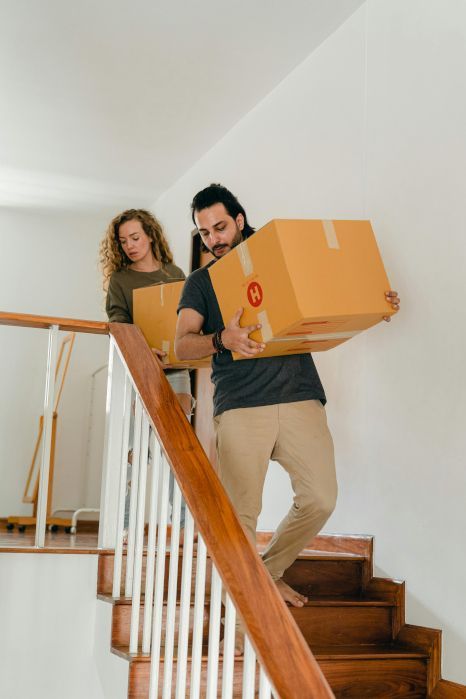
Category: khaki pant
[296,435]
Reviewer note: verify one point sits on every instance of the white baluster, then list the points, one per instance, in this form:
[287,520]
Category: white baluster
[265,689]
[114,418]
[159,583]
[156,452]
[127,399]
[214,634]
[170,622]
[139,543]
[198,623]
[249,670]
[133,497]
[185,605]
[41,515]
[228,649]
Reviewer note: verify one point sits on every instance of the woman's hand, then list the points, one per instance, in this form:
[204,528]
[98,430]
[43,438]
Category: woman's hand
[160,356]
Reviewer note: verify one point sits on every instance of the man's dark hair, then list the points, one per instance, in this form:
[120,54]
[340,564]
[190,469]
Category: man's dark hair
[218,194]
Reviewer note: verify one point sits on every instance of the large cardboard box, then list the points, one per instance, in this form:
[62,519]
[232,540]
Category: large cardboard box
[154,311]
[311,284]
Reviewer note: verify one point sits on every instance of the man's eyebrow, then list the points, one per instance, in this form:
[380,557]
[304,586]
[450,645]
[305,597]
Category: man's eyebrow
[218,223]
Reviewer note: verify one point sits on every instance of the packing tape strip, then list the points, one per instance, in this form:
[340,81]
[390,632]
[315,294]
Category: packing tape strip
[263,319]
[331,235]
[245,258]
[166,348]
[162,301]
[327,336]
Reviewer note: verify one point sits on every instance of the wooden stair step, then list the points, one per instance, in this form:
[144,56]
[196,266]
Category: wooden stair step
[388,651]
[121,620]
[314,572]
[322,621]
[353,672]
[345,621]
[327,574]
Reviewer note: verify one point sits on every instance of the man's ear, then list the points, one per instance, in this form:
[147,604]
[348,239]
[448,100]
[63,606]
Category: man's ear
[240,221]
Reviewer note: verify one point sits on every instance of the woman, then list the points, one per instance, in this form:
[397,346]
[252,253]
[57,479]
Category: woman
[134,253]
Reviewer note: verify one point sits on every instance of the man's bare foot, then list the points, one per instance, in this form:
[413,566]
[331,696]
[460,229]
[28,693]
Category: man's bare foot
[289,595]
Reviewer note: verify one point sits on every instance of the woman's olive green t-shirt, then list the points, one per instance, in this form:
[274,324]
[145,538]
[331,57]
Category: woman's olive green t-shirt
[119,303]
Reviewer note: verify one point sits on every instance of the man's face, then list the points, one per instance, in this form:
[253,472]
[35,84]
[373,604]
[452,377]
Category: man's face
[219,231]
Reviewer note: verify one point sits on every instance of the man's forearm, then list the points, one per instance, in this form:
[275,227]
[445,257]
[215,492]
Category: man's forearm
[194,346]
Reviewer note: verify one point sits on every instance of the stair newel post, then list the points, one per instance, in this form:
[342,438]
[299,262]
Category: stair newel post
[114,419]
[139,540]
[156,451]
[47,436]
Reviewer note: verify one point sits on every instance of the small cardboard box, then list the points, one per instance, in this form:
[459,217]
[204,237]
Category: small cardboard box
[154,311]
[311,284]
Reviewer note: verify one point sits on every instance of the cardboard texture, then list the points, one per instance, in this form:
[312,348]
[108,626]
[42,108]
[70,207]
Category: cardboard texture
[154,311]
[311,284]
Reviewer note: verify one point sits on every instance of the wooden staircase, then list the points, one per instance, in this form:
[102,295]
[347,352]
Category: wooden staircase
[353,623]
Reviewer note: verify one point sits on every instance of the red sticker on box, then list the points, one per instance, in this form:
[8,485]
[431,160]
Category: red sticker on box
[255,294]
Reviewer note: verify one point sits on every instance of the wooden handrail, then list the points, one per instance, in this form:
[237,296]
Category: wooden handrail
[279,645]
[26,320]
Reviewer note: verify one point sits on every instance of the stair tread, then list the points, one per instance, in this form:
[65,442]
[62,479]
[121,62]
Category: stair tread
[312,554]
[314,601]
[361,652]
[305,554]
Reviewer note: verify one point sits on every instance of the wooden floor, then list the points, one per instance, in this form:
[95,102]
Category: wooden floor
[55,542]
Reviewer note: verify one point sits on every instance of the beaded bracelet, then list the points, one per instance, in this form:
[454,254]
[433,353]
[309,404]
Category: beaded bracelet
[217,342]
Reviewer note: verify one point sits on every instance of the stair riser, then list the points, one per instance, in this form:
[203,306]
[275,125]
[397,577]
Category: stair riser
[349,679]
[346,625]
[121,625]
[311,577]
[384,679]
[325,577]
[105,577]
[320,625]
[138,686]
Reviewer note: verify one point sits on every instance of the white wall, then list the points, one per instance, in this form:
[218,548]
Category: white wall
[291,153]
[57,634]
[372,125]
[50,268]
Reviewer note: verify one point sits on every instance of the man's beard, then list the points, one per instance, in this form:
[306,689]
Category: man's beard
[236,241]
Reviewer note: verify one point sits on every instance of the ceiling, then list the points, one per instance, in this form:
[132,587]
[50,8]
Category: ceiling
[103,101]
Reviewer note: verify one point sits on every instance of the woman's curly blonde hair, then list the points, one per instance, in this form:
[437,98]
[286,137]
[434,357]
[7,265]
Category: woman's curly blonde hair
[111,255]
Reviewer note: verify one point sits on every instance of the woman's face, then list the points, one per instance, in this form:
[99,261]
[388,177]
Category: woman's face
[134,241]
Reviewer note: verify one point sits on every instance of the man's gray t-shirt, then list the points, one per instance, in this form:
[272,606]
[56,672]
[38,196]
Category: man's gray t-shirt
[248,383]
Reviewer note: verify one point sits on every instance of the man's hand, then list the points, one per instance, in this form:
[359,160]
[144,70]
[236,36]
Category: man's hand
[236,338]
[393,299]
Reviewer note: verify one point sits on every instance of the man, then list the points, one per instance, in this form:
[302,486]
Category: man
[270,408]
